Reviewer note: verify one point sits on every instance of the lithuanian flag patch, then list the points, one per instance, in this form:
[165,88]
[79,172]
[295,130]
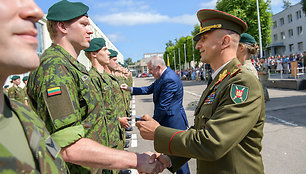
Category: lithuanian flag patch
[54,91]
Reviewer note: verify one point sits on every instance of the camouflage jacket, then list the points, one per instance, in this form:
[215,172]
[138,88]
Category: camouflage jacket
[16,94]
[61,92]
[45,151]
[104,83]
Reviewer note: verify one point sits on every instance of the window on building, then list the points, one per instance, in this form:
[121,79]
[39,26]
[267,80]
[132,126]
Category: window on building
[300,46]
[40,38]
[275,37]
[299,30]
[290,33]
[282,21]
[298,14]
[291,47]
[283,36]
[274,24]
[289,18]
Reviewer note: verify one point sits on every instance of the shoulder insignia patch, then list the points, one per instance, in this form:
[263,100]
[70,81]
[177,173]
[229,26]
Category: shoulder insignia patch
[239,93]
[54,91]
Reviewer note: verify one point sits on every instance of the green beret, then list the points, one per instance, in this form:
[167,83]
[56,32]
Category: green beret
[65,10]
[213,19]
[122,64]
[15,77]
[96,44]
[6,86]
[25,78]
[247,38]
[113,53]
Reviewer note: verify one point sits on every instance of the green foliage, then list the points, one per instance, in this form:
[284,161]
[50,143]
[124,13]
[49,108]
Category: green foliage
[304,5]
[286,4]
[128,61]
[247,11]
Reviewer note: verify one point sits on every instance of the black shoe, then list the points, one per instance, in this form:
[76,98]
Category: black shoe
[129,128]
[128,136]
[125,171]
[126,145]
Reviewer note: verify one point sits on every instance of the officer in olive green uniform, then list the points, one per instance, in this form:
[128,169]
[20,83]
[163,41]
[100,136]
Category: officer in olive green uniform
[15,92]
[25,144]
[263,73]
[104,83]
[229,118]
[61,91]
[247,47]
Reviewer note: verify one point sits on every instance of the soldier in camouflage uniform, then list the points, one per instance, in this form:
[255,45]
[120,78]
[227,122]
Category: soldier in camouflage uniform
[110,69]
[15,92]
[25,81]
[5,89]
[98,55]
[25,144]
[62,93]
[263,73]
[247,47]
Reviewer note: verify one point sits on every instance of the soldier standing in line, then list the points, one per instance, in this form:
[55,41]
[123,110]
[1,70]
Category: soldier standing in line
[15,92]
[5,89]
[61,92]
[229,119]
[263,74]
[247,47]
[25,144]
[98,55]
[26,98]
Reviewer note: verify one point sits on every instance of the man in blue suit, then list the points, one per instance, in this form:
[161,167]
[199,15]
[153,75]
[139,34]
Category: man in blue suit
[167,92]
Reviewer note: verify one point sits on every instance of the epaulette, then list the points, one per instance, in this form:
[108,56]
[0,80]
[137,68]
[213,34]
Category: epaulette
[236,70]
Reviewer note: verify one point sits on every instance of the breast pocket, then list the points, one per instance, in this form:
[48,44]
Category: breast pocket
[203,116]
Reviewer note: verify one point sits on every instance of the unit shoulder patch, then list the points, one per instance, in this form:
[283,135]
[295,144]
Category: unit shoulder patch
[239,93]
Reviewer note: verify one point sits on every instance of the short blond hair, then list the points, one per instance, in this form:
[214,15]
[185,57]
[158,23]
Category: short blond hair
[52,28]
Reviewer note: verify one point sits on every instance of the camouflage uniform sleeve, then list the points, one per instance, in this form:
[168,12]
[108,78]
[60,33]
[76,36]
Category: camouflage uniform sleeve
[59,98]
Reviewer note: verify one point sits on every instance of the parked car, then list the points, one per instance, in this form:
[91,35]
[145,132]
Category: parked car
[143,75]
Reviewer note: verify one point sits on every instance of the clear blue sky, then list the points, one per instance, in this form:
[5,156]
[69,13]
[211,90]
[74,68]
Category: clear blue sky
[144,26]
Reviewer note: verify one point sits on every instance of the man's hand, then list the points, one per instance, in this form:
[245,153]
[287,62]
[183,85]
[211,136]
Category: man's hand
[125,87]
[147,163]
[164,159]
[147,128]
[124,122]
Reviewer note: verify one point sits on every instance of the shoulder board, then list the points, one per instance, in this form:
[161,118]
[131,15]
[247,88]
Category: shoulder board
[236,70]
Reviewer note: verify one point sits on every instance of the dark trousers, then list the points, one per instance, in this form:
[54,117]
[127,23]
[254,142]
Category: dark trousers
[184,169]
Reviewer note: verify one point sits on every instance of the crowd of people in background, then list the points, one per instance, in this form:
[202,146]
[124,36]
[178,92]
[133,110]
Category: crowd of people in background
[276,64]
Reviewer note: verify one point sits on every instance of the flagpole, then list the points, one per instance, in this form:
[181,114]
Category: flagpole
[259,29]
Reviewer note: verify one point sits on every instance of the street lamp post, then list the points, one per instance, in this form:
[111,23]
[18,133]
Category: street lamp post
[259,30]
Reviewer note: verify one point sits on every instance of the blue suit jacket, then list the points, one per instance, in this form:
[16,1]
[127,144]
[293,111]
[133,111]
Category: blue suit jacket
[167,97]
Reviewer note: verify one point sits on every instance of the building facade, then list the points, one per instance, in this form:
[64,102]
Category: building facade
[141,65]
[287,32]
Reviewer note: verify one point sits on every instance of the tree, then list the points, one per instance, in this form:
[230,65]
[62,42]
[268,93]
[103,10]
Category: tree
[247,11]
[128,61]
[286,4]
[304,5]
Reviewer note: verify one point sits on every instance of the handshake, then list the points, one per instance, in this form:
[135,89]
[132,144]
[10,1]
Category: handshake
[152,162]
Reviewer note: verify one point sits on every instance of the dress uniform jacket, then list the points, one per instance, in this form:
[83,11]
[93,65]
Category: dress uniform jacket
[228,130]
[62,93]
[250,67]
[45,151]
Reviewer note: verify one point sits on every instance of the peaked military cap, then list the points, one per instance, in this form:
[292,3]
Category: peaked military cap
[96,44]
[247,38]
[15,77]
[25,78]
[113,53]
[213,19]
[65,10]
